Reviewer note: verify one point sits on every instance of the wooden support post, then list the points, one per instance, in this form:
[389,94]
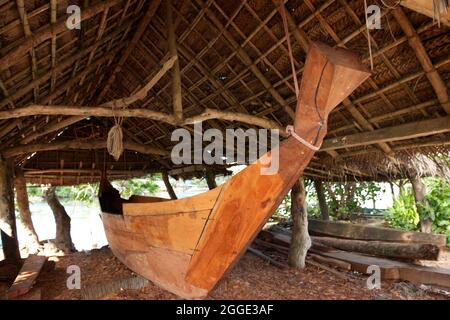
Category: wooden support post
[419,194]
[63,240]
[176,85]
[25,213]
[210,179]
[300,242]
[321,197]
[169,188]
[7,213]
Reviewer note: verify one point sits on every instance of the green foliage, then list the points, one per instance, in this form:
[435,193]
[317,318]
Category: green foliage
[345,199]
[137,186]
[88,192]
[404,214]
[437,205]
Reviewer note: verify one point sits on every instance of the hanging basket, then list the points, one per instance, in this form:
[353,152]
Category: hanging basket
[114,142]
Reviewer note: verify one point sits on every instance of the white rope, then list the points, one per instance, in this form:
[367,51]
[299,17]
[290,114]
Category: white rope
[114,142]
[290,130]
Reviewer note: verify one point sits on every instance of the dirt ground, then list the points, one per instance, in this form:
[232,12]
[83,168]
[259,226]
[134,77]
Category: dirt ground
[251,278]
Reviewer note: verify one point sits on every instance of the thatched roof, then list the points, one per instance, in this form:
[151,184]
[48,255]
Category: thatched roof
[233,58]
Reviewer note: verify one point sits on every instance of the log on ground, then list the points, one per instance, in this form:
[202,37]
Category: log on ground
[363,232]
[419,251]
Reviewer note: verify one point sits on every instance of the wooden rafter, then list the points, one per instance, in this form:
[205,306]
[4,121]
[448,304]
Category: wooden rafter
[395,133]
[48,32]
[431,73]
[78,145]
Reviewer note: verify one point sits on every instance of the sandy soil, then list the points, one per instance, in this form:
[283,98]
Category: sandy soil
[251,278]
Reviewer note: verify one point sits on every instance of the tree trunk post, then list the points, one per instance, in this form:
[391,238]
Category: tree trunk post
[169,188]
[7,213]
[300,242]
[25,213]
[210,179]
[63,240]
[420,191]
[322,201]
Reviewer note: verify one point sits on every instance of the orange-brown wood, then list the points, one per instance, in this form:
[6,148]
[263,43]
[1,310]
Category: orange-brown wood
[27,276]
[190,243]
[204,201]
[178,232]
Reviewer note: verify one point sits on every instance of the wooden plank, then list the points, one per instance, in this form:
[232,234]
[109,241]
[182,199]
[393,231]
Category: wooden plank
[166,268]
[390,269]
[179,232]
[400,132]
[204,201]
[144,199]
[330,261]
[27,276]
[395,270]
[363,232]
[126,241]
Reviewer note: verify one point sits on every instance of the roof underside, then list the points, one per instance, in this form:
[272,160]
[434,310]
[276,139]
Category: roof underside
[87,67]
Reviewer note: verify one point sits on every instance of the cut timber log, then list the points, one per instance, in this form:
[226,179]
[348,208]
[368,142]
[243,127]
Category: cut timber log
[363,232]
[390,269]
[419,251]
[27,276]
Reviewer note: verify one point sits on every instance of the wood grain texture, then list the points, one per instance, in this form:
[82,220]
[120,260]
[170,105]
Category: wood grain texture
[164,266]
[204,201]
[250,197]
[362,232]
[27,276]
[192,242]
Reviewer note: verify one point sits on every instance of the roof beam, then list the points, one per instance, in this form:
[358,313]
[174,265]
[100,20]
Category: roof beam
[47,33]
[134,41]
[395,133]
[79,145]
[416,44]
[173,51]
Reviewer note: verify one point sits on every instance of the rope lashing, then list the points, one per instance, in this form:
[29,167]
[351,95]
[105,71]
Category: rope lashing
[290,130]
[114,143]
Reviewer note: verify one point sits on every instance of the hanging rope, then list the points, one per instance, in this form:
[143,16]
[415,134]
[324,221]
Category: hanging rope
[114,143]
[290,129]
[291,56]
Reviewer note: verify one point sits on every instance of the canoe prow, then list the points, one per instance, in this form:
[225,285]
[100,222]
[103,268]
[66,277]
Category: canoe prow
[186,245]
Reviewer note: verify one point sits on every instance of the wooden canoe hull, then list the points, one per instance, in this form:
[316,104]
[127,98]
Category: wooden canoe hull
[187,245]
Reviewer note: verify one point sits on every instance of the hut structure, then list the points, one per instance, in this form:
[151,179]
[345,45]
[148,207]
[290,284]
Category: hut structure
[154,66]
